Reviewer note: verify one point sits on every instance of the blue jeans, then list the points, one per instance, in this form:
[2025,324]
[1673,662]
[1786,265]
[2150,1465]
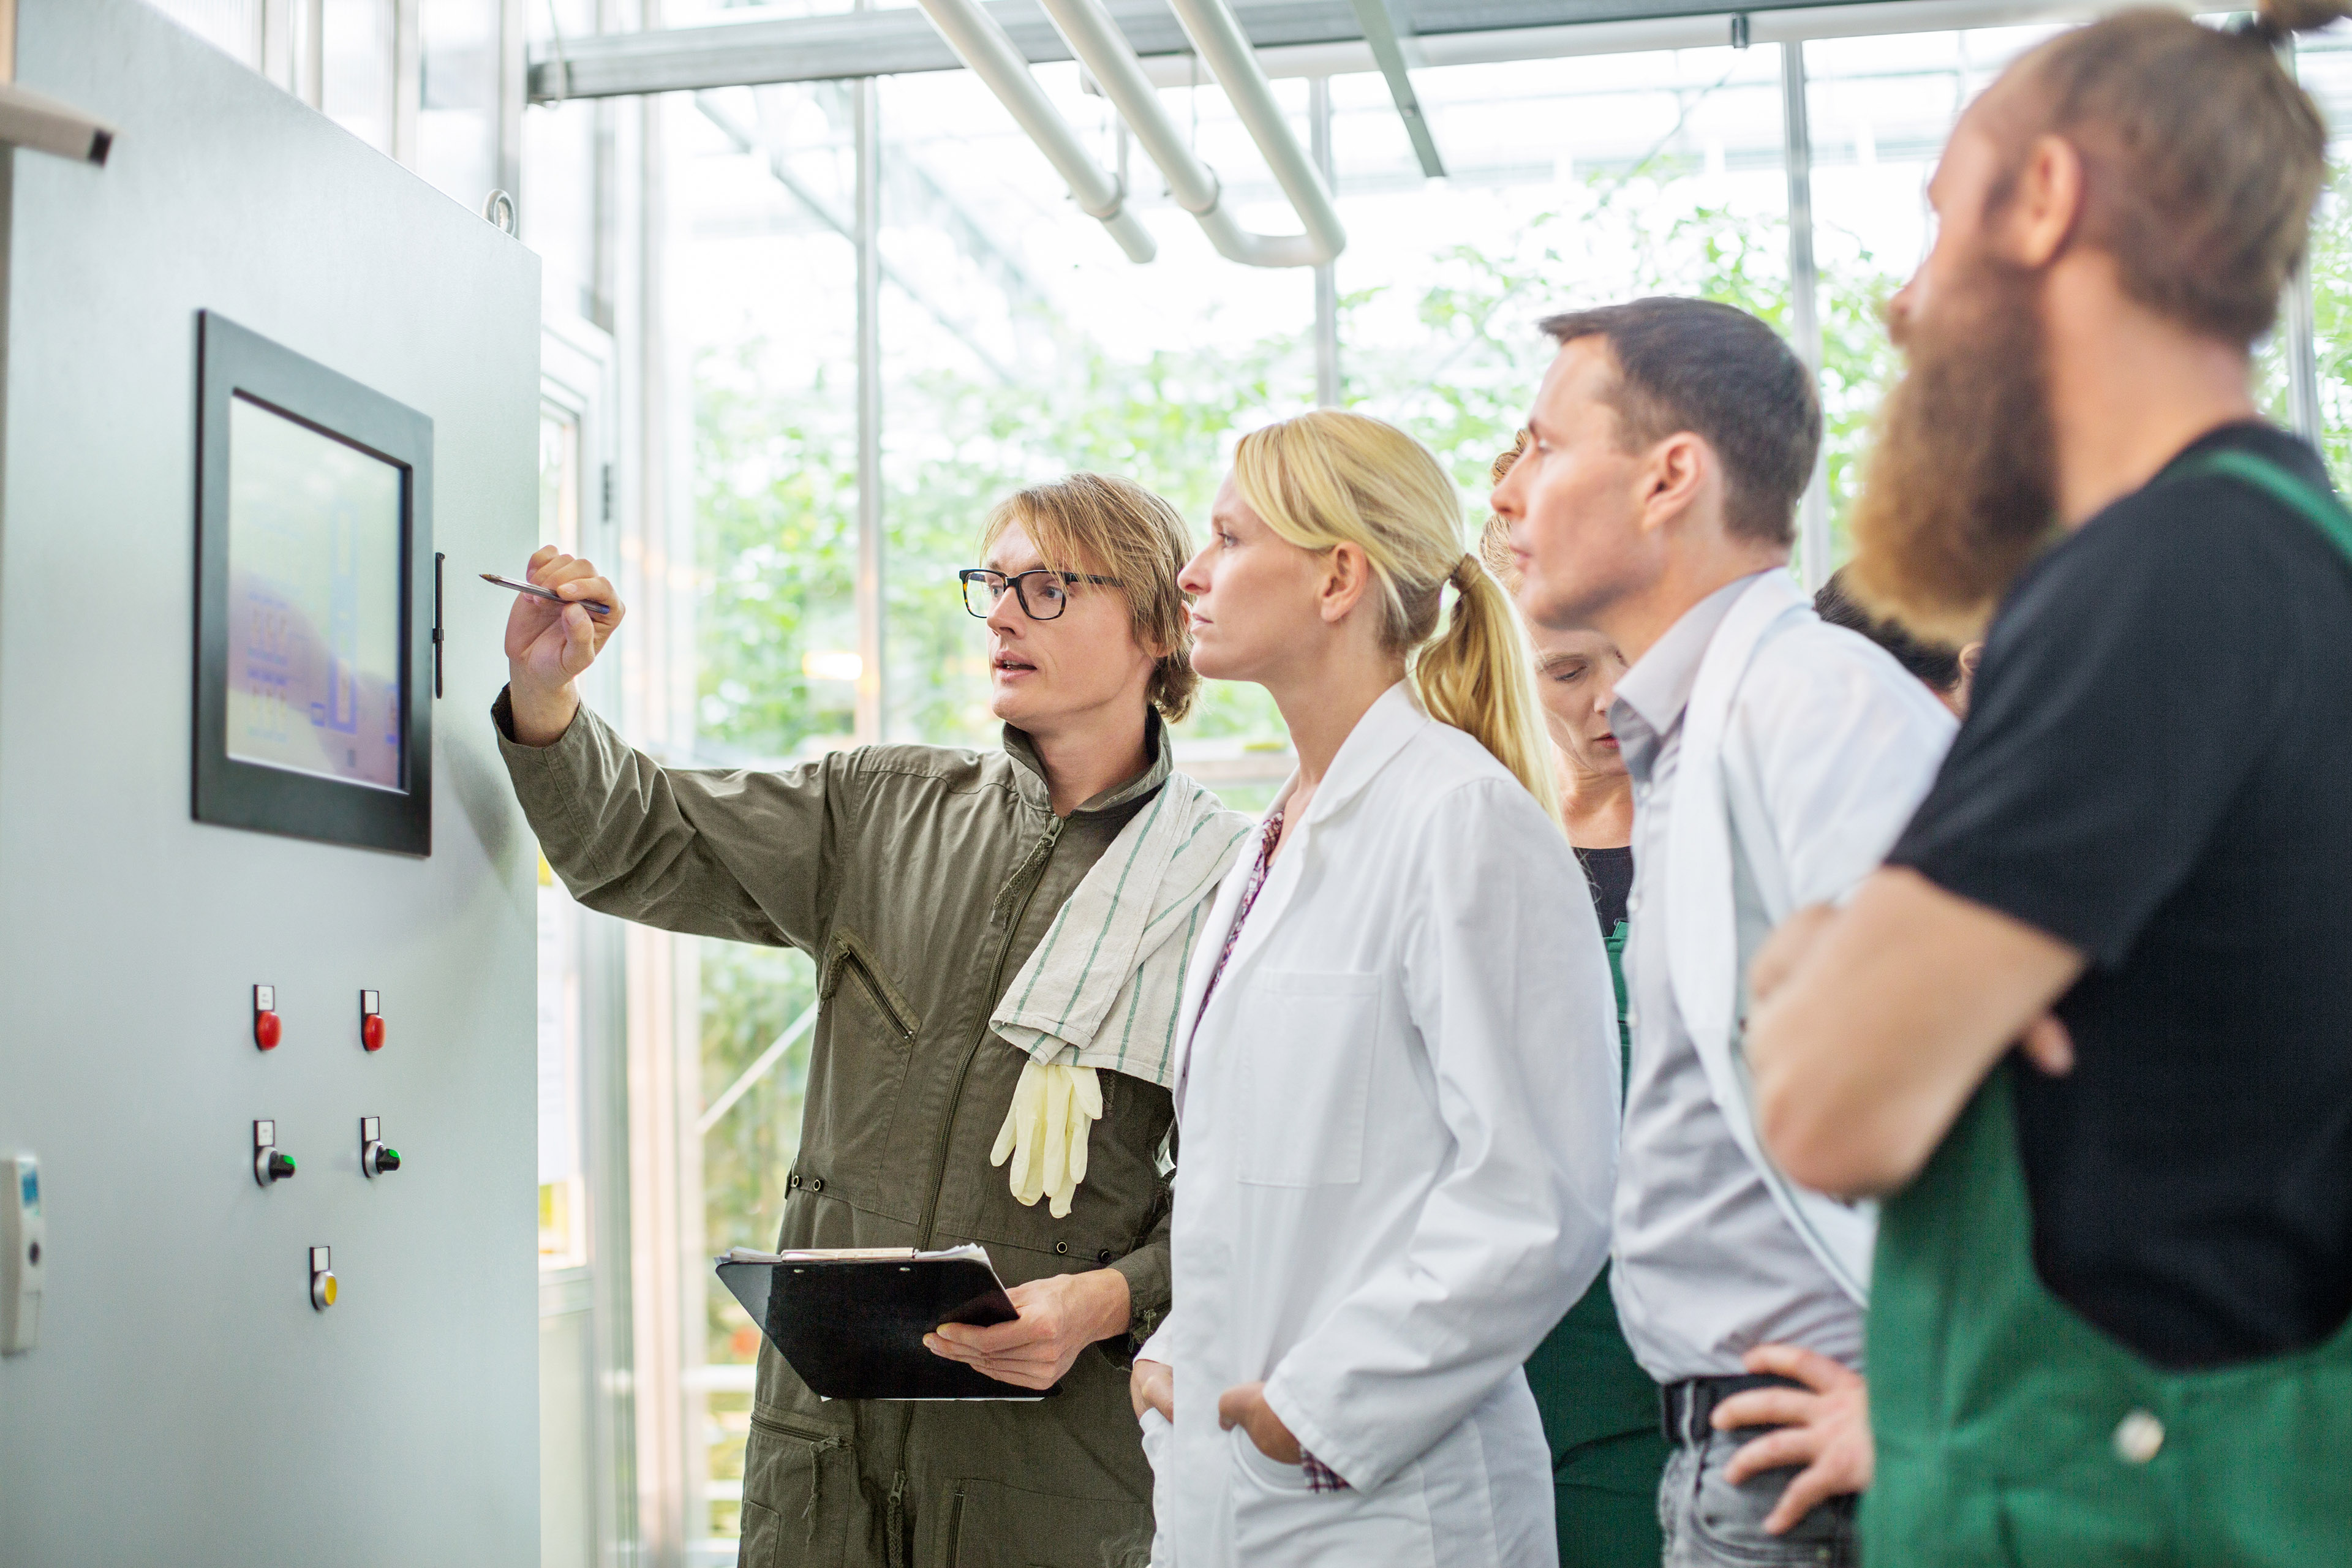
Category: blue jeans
[1708,1522]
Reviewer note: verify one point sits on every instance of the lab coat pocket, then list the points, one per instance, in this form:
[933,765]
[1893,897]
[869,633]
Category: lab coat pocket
[1272,1475]
[1307,1076]
[1157,1433]
[1277,1519]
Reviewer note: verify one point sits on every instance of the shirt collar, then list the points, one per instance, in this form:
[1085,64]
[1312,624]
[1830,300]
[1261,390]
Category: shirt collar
[1029,769]
[1394,718]
[1651,695]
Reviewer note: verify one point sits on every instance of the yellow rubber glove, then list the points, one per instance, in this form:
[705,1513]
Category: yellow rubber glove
[1054,1107]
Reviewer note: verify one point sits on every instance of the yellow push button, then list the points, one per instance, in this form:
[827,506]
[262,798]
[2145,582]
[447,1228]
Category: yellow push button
[322,1277]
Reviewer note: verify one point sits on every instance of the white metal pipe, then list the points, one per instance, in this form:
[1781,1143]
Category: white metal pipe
[1326,277]
[980,42]
[1104,52]
[865,100]
[1233,60]
[1804,304]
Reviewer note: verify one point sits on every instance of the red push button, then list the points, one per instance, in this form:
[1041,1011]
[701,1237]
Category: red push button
[372,1020]
[266,1029]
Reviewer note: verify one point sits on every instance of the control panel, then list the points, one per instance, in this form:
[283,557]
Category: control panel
[271,1164]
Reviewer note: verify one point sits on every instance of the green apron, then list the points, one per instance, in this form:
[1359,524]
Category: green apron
[1600,1411]
[2009,1430]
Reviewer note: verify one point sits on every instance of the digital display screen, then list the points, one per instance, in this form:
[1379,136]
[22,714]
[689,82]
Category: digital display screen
[314,592]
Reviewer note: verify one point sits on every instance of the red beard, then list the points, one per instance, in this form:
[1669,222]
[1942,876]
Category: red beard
[1960,491]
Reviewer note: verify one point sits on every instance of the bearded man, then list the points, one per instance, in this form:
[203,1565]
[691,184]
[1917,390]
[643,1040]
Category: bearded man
[2108,1323]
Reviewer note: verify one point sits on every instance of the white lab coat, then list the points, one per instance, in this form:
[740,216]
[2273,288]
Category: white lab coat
[1398,1118]
[1809,745]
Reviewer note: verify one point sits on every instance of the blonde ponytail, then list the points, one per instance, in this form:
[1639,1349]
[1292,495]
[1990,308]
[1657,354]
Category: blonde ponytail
[1478,674]
[1330,478]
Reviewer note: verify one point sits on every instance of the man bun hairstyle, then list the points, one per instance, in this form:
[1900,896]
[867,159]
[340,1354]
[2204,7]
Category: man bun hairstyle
[1726,377]
[2281,19]
[1105,526]
[2201,158]
[1328,478]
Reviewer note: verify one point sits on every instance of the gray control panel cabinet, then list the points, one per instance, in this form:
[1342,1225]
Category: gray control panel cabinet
[186,1403]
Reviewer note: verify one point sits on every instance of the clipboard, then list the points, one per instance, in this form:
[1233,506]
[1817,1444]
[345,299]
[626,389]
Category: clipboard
[851,1321]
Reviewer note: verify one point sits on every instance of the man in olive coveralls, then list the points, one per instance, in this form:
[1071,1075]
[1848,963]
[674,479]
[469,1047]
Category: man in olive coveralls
[919,878]
[2111,1325]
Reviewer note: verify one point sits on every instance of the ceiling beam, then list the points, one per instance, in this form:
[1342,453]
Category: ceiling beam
[1379,29]
[901,39]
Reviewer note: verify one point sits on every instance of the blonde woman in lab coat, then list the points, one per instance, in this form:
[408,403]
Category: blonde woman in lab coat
[1398,1098]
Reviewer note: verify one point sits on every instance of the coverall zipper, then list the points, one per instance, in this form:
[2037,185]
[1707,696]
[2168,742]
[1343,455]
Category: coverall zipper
[857,966]
[955,1104]
[971,1053]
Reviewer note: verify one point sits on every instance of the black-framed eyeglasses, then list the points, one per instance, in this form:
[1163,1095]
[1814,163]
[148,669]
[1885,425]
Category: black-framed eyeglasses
[1043,593]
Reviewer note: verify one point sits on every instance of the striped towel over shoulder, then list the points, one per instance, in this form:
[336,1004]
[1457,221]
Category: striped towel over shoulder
[1103,987]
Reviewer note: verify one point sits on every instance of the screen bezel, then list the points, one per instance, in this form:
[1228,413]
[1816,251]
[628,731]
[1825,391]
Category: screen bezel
[234,362]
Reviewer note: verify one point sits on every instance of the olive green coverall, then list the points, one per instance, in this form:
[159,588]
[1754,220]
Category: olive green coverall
[918,877]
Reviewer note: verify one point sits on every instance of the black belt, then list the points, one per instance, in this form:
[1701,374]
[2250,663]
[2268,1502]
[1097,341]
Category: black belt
[1686,1409]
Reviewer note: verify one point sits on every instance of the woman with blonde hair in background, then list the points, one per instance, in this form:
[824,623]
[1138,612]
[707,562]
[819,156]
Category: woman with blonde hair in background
[1599,1408]
[1398,1096]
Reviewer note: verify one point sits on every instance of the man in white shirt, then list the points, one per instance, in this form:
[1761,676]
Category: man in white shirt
[1774,758]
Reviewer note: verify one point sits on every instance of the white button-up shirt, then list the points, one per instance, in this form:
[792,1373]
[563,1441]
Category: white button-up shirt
[1707,1265]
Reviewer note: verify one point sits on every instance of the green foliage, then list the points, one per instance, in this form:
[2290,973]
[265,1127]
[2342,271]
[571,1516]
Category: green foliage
[750,995]
[775,489]
[2331,302]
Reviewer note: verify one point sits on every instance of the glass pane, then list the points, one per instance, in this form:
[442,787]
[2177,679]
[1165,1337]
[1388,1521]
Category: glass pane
[559,477]
[233,25]
[757,1008]
[762,308]
[457,124]
[1572,182]
[562,1186]
[763,303]
[358,88]
[2325,65]
[563,1218]
[557,207]
[697,13]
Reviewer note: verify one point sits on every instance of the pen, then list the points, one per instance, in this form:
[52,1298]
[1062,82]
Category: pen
[537,593]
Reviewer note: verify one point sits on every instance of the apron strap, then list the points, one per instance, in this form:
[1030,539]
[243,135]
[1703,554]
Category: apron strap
[2299,495]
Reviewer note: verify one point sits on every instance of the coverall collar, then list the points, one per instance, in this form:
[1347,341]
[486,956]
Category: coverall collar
[1029,770]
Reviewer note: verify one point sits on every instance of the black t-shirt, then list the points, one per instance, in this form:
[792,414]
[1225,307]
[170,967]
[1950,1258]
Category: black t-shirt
[2156,769]
[1609,874]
